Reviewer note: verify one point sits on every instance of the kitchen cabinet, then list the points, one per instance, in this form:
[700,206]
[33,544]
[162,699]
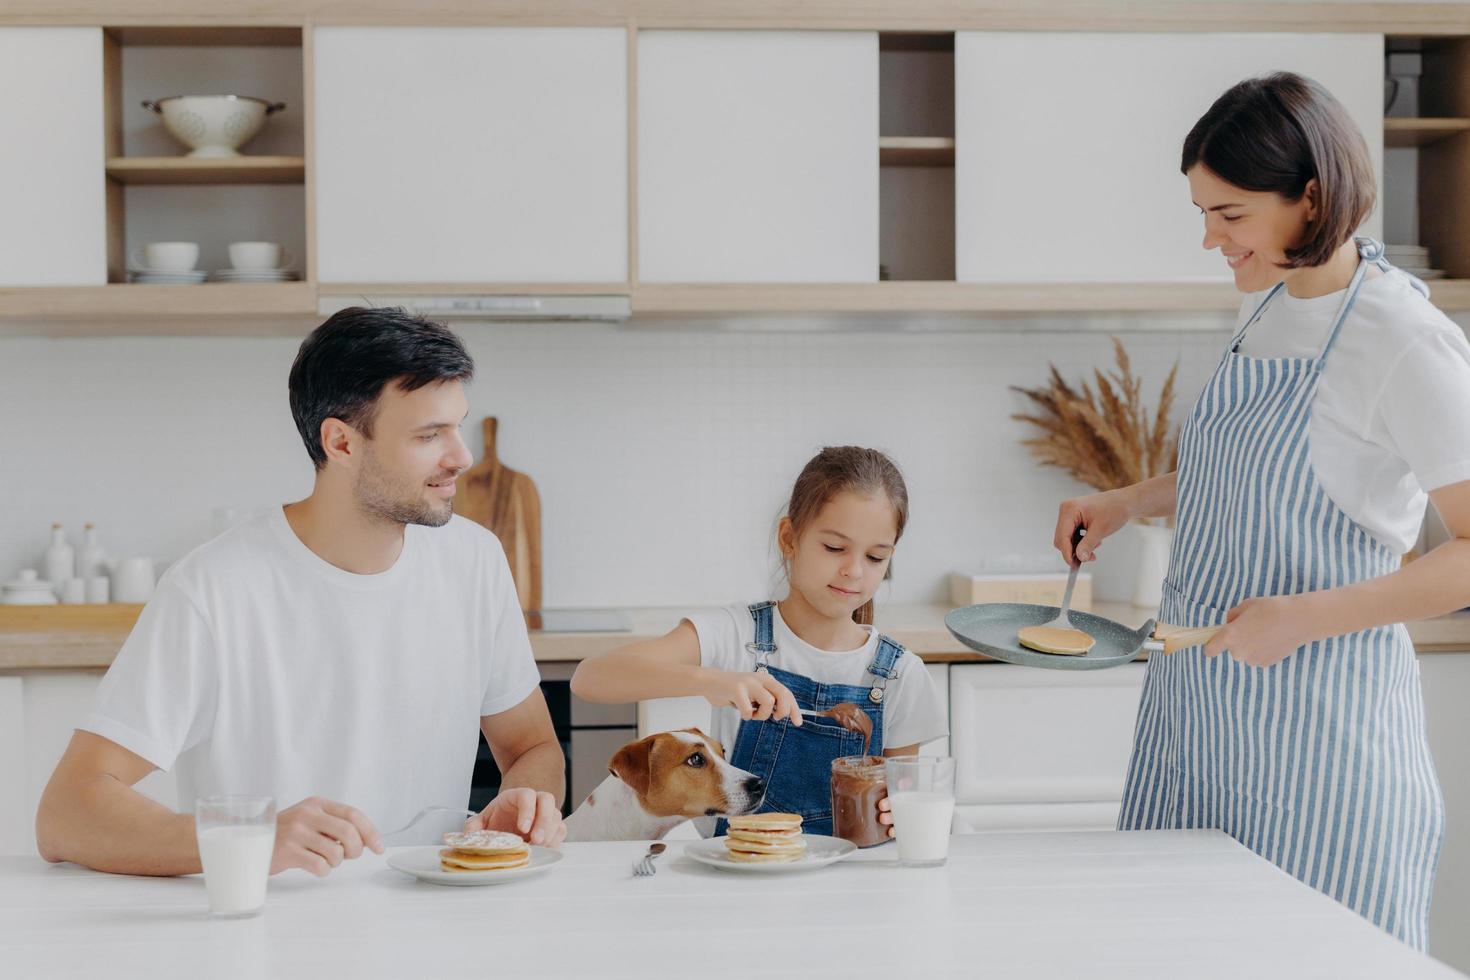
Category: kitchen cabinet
[38,712]
[53,227]
[1068,145]
[1445,679]
[757,157]
[471,154]
[1040,749]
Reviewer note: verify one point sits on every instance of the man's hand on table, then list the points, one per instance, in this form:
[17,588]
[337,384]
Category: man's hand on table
[522,810]
[317,835]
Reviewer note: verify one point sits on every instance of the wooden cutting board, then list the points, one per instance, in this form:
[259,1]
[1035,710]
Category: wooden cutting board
[506,502]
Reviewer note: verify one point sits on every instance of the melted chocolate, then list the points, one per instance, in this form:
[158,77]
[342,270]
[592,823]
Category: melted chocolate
[854,719]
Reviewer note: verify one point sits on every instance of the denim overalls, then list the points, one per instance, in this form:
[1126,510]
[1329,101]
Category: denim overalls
[796,763]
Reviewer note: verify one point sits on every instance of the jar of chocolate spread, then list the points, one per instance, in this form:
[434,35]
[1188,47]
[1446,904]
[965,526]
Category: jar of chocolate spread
[857,786]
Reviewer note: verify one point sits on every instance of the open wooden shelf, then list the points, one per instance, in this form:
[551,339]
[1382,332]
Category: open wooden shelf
[134,300]
[1421,132]
[932,297]
[960,297]
[192,170]
[916,151]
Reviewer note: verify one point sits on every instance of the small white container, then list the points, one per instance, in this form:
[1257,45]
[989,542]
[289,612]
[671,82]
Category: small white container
[132,580]
[60,564]
[28,590]
[91,558]
[99,588]
[74,592]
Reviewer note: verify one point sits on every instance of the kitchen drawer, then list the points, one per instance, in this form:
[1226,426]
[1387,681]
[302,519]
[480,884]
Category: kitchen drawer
[1027,736]
[979,818]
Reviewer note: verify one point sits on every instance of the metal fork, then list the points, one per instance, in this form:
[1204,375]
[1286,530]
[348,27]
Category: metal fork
[643,867]
[425,812]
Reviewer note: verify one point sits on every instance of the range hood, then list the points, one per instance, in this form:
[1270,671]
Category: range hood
[610,308]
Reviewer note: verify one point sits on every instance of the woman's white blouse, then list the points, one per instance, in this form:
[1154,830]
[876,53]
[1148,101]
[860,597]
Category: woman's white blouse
[1391,419]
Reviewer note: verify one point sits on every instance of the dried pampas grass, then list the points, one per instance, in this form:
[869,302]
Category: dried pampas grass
[1107,439]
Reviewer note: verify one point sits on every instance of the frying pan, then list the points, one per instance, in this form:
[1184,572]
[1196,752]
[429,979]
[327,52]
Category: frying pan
[991,628]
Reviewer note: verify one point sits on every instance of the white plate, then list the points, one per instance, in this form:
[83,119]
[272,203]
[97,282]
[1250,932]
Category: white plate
[820,852]
[423,864]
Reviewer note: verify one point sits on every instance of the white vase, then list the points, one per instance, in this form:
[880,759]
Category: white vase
[1154,544]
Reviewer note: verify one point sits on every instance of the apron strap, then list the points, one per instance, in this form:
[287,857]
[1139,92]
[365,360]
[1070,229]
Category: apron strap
[1369,253]
[1235,341]
[765,643]
[882,667]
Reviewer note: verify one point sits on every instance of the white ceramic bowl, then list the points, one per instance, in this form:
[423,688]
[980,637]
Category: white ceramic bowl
[213,125]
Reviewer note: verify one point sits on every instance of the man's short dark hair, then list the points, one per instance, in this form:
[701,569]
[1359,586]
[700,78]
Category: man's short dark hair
[1277,132]
[344,364]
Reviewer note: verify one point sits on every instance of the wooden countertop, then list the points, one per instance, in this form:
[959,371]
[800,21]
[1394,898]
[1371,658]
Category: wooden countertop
[918,627]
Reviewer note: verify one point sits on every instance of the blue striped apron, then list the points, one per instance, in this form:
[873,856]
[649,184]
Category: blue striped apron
[1318,763]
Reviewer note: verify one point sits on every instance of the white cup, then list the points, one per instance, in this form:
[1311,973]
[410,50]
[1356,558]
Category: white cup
[237,836]
[74,591]
[98,589]
[166,256]
[258,256]
[921,793]
[132,580]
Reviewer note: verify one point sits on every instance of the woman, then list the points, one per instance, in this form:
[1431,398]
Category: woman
[1342,400]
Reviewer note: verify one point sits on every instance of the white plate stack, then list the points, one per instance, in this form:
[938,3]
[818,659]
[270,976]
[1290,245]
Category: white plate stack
[254,275]
[1413,259]
[162,278]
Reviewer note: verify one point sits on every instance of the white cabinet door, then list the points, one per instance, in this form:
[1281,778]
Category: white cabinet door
[757,156]
[1446,681]
[38,712]
[939,674]
[471,154]
[1068,145]
[53,229]
[1025,740]
[15,823]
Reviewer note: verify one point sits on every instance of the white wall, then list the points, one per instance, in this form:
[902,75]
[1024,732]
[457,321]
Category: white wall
[663,456]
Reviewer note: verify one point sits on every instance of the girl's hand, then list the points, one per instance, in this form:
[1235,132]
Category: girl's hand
[1264,631]
[1101,513]
[756,695]
[885,814]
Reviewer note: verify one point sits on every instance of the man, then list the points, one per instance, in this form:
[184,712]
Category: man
[334,653]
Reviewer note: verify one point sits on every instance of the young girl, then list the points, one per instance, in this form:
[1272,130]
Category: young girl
[759,665]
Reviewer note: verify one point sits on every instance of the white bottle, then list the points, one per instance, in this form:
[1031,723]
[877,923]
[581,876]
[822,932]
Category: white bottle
[60,561]
[91,557]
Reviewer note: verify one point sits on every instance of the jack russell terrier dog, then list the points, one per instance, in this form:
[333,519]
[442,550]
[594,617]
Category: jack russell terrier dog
[658,782]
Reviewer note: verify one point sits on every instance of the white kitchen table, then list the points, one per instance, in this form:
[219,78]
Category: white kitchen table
[1129,905]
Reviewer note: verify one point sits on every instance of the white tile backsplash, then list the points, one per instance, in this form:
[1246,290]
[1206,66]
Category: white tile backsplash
[663,456]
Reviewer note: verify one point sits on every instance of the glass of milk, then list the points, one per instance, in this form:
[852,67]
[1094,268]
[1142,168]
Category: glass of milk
[921,792]
[237,836]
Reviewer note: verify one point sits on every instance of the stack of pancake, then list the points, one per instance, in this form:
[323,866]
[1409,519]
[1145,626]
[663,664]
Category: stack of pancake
[765,838]
[484,850]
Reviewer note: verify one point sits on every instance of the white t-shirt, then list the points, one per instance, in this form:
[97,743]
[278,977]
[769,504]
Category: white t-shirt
[259,668]
[1391,419]
[912,710]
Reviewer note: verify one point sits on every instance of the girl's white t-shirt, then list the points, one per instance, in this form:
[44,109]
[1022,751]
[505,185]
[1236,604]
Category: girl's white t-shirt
[912,709]
[259,668]
[1391,419]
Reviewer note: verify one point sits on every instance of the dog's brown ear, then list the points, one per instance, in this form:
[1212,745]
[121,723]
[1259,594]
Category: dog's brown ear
[630,764]
[709,741]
